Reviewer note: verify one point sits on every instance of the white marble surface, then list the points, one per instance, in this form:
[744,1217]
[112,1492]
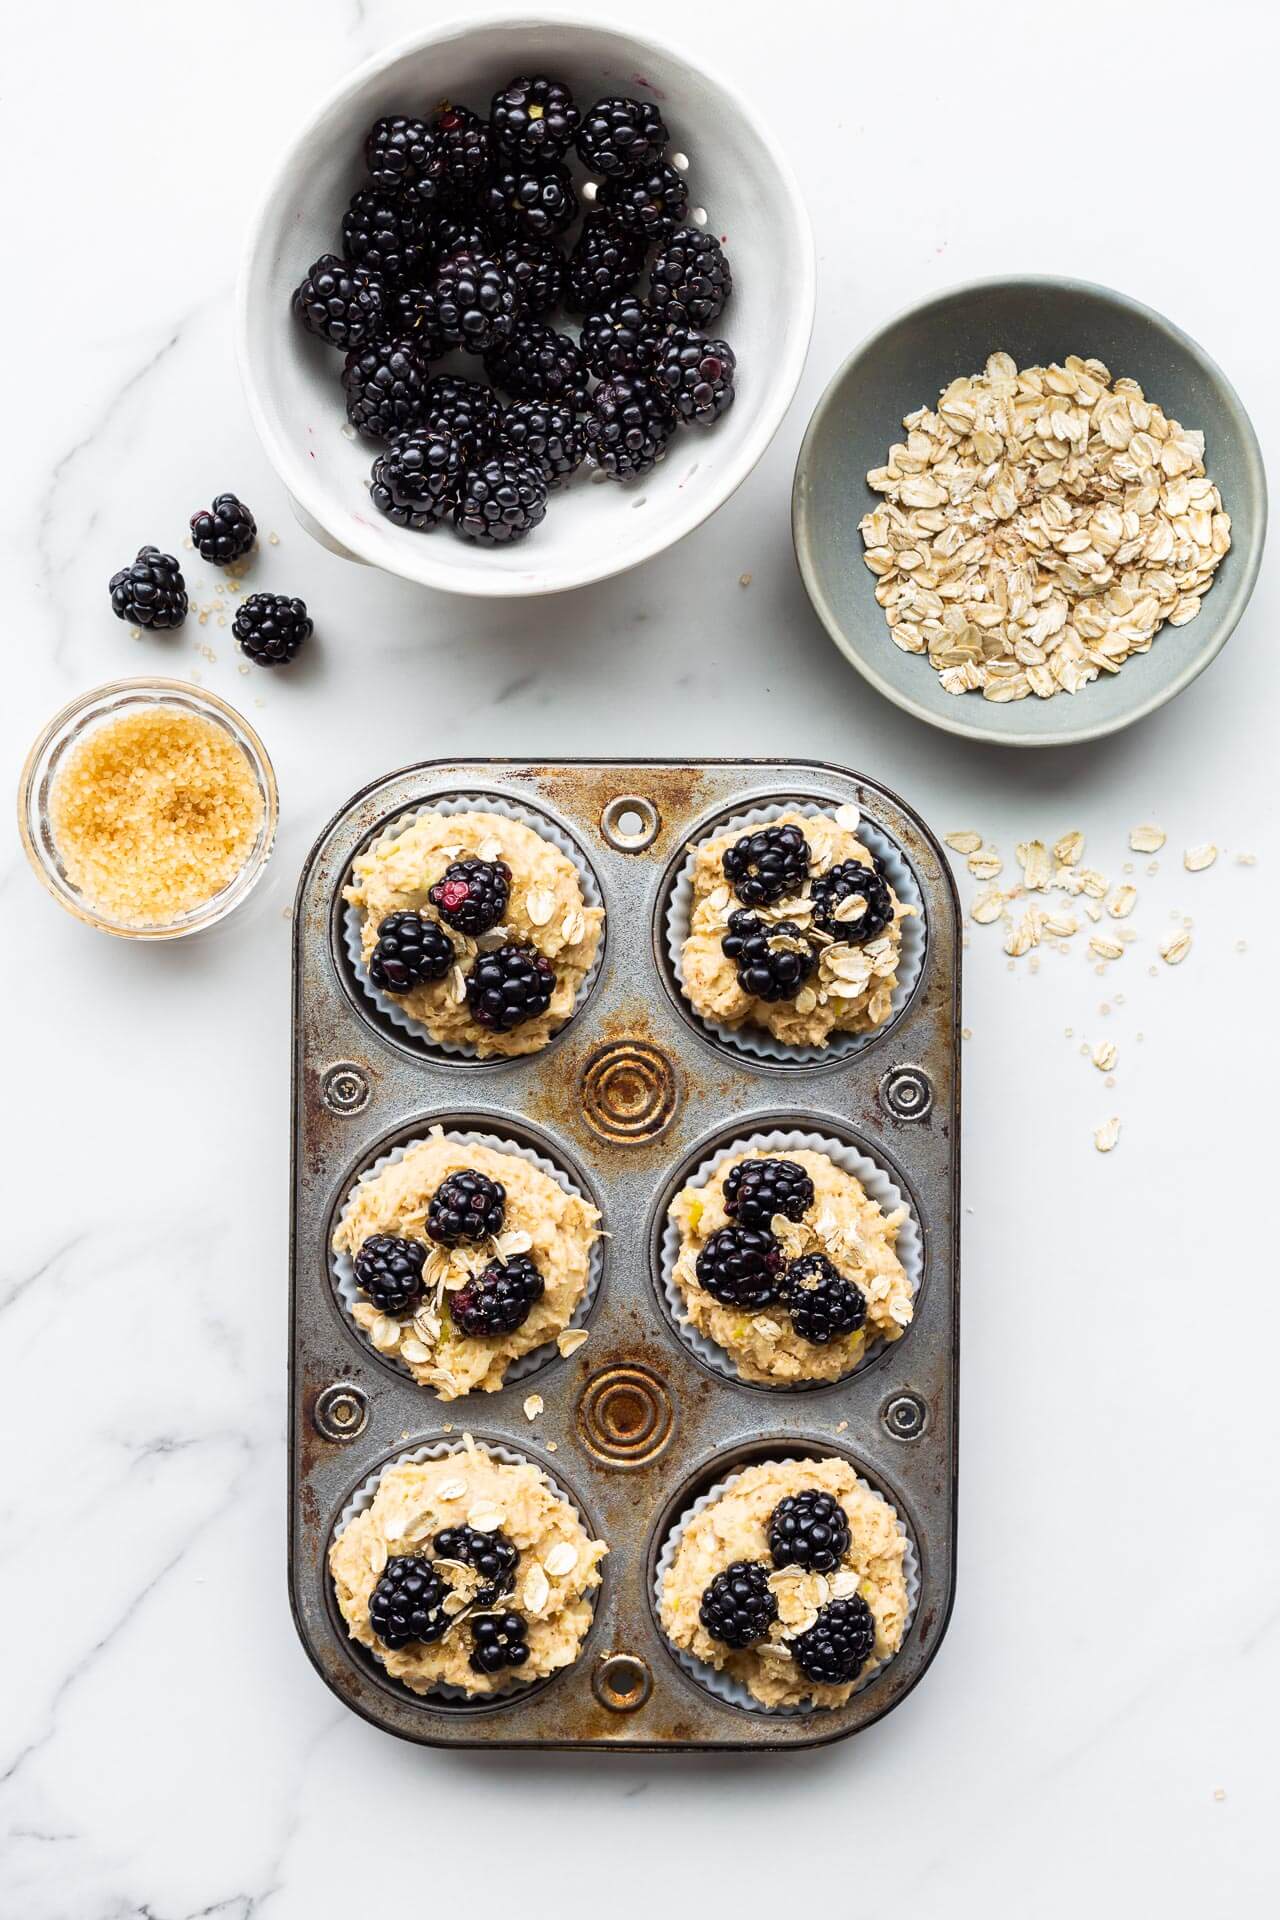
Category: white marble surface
[1098,1730]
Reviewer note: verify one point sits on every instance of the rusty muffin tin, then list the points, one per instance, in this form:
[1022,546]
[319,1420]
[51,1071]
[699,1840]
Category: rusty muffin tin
[629,1097]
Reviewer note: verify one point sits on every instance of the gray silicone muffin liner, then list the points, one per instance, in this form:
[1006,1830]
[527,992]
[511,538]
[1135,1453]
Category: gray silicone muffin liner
[541,823]
[876,1183]
[342,1267]
[755,1041]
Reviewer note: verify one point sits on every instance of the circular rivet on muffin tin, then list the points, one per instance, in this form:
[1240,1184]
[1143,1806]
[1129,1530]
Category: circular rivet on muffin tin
[625,1415]
[630,823]
[904,1416]
[907,1093]
[622,1682]
[341,1411]
[345,1087]
[628,1091]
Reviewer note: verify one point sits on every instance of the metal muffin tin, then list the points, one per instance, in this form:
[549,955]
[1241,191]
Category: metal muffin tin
[628,1097]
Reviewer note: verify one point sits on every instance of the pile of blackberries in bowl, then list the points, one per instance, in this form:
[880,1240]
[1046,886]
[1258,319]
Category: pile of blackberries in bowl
[469,238]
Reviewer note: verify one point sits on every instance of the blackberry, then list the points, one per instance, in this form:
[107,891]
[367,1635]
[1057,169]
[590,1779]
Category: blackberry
[766,970]
[690,280]
[271,627]
[620,136]
[383,233]
[472,895]
[408,1602]
[546,433]
[463,228]
[696,375]
[606,261]
[756,1190]
[741,1267]
[809,1530]
[384,385]
[822,1304]
[509,986]
[498,1300]
[341,303]
[738,1606]
[650,202]
[224,532]
[403,155]
[411,318]
[538,364]
[150,593]
[529,204]
[534,119]
[471,413]
[475,300]
[628,427]
[618,338]
[389,1270]
[465,146]
[851,881]
[766,866]
[536,269]
[417,481]
[498,1641]
[411,950]
[466,1206]
[838,1645]
[492,1555]
[501,501]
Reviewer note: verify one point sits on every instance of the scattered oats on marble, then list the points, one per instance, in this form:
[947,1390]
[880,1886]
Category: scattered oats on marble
[964,842]
[1106,1135]
[1122,902]
[1196,859]
[1104,1055]
[986,864]
[1068,850]
[1175,947]
[1146,839]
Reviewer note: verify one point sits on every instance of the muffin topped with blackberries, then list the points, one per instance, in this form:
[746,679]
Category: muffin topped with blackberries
[793,927]
[457,1259]
[467,1572]
[791,1581]
[477,927]
[787,1264]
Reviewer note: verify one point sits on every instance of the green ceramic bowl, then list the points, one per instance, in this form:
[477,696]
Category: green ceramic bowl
[906,365]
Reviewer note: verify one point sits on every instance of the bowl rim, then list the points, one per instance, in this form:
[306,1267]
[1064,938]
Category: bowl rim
[601,563]
[1229,608]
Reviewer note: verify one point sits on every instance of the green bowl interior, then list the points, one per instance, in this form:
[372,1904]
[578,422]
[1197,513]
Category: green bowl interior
[906,365]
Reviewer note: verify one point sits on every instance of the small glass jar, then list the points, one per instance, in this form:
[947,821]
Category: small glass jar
[67,729]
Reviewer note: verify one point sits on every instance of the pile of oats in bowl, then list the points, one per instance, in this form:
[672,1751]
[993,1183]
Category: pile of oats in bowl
[1039,527]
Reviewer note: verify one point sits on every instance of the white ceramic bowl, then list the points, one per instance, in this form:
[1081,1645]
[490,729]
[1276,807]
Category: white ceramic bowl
[591,531]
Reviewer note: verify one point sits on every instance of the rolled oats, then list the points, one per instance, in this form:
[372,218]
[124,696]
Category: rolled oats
[1196,859]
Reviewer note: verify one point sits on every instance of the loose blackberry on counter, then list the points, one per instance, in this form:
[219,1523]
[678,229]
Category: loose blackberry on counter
[498,1640]
[417,481]
[224,532]
[476,305]
[151,593]
[467,1206]
[388,1269]
[404,155]
[822,1304]
[384,233]
[498,1300]
[852,881]
[838,1645]
[509,986]
[651,202]
[492,1555]
[696,375]
[768,865]
[472,895]
[741,1267]
[809,1530]
[738,1605]
[530,203]
[534,119]
[339,302]
[536,363]
[411,950]
[606,261]
[469,412]
[465,144]
[772,962]
[619,338]
[628,427]
[620,136]
[384,383]
[547,433]
[271,627]
[537,270]
[408,1602]
[690,279]
[756,1190]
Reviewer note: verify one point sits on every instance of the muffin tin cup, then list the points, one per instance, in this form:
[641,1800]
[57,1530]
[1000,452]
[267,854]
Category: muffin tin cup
[722,1684]
[342,1266]
[630,1098]
[363,1498]
[353,917]
[757,1041]
[876,1182]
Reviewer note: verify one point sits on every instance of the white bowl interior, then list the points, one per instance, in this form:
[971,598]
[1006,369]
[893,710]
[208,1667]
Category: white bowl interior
[592,529]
